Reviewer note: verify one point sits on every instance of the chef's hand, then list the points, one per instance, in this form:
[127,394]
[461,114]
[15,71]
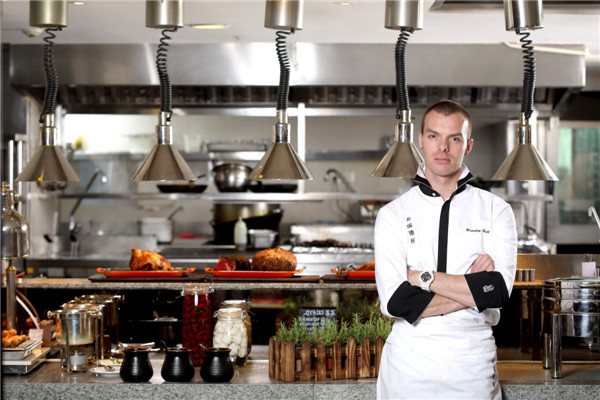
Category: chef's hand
[483,262]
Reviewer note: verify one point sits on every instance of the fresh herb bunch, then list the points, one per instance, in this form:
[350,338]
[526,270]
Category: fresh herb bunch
[377,325]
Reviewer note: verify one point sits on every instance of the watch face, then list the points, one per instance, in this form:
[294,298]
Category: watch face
[425,276]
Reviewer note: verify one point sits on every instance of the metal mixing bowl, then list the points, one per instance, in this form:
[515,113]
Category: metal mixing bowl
[232,177]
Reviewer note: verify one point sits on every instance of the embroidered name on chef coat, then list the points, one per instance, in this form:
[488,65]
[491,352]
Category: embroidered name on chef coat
[473,230]
[411,231]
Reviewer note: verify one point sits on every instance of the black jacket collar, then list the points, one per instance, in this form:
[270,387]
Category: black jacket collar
[428,191]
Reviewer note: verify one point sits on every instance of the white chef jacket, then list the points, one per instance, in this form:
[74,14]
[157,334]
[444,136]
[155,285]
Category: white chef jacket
[451,355]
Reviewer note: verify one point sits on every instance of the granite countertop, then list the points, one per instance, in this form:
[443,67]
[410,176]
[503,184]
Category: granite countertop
[303,283]
[48,381]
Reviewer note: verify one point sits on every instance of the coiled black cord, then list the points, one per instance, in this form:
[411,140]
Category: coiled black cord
[401,88]
[528,74]
[49,106]
[284,69]
[166,99]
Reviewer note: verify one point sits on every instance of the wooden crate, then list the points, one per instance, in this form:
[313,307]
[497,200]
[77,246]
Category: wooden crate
[288,363]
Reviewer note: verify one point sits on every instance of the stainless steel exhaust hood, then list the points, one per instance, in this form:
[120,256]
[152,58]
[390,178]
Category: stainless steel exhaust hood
[122,78]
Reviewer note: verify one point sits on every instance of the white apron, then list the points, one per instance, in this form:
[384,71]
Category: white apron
[447,363]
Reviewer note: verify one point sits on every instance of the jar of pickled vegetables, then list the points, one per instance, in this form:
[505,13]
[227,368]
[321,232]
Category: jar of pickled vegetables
[197,319]
[230,332]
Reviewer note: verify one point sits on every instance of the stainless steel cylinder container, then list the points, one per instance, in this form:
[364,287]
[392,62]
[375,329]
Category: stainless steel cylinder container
[48,13]
[571,307]
[284,14]
[404,14]
[15,237]
[520,14]
[75,325]
[164,14]
[519,275]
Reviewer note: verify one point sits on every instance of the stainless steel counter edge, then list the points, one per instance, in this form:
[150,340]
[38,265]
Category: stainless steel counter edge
[82,283]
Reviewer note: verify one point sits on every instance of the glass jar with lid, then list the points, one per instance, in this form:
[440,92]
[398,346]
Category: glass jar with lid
[197,319]
[245,306]
[230,332]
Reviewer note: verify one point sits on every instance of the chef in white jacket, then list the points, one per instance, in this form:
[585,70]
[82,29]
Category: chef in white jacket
[445,256]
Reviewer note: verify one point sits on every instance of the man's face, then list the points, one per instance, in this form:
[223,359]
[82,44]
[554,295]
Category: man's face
[444,143]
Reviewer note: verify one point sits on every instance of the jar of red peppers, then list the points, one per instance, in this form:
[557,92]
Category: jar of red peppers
[197,319]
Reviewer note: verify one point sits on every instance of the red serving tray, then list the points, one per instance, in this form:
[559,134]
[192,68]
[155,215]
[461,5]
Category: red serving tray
[354,274]
[127,273]
[252,274]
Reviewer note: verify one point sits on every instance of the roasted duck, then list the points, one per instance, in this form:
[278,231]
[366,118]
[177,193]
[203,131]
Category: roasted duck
[148,261]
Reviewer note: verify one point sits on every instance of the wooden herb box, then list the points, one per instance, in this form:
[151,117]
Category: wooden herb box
[353,360]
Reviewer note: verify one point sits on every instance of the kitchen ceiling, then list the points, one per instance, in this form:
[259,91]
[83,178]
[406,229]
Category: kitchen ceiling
[445,21]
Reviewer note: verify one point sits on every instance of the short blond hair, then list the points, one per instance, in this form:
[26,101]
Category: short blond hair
[448,107]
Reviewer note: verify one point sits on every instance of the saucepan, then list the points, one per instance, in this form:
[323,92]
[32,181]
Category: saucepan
[161,227]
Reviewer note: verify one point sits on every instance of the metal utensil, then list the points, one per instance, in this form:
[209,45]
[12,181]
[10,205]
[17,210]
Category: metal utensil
[180,208]
[231,177]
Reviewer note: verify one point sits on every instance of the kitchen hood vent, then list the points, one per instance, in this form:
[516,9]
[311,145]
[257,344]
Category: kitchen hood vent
[122,78]
[146,99]
[576,6]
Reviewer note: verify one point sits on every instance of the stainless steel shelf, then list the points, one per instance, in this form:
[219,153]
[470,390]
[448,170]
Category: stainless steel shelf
[242,155]
[237,197]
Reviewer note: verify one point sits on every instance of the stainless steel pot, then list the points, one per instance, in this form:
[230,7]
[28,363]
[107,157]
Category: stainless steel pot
[571,307]
[231,177]
[161,227]
[75,325]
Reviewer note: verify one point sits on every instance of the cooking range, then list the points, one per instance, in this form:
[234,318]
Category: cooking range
[320,248]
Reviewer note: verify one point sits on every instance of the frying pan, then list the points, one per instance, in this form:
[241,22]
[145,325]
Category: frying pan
[259,187]
[181,188]
[190,187]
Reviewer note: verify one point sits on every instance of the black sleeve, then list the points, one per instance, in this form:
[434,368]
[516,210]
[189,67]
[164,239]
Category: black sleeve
[409,301]
[488,289]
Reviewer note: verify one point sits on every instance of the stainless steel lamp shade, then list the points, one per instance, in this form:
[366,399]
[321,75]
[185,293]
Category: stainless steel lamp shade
[403,158]
[281,160]
[48,163]
[524,163]
[164,163]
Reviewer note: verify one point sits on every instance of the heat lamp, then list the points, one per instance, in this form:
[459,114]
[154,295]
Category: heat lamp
[48,163]
[281,161]
[525,163]
[403,158]
[164,163]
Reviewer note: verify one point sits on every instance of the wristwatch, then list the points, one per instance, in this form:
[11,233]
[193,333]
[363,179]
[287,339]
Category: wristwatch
[425,279]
